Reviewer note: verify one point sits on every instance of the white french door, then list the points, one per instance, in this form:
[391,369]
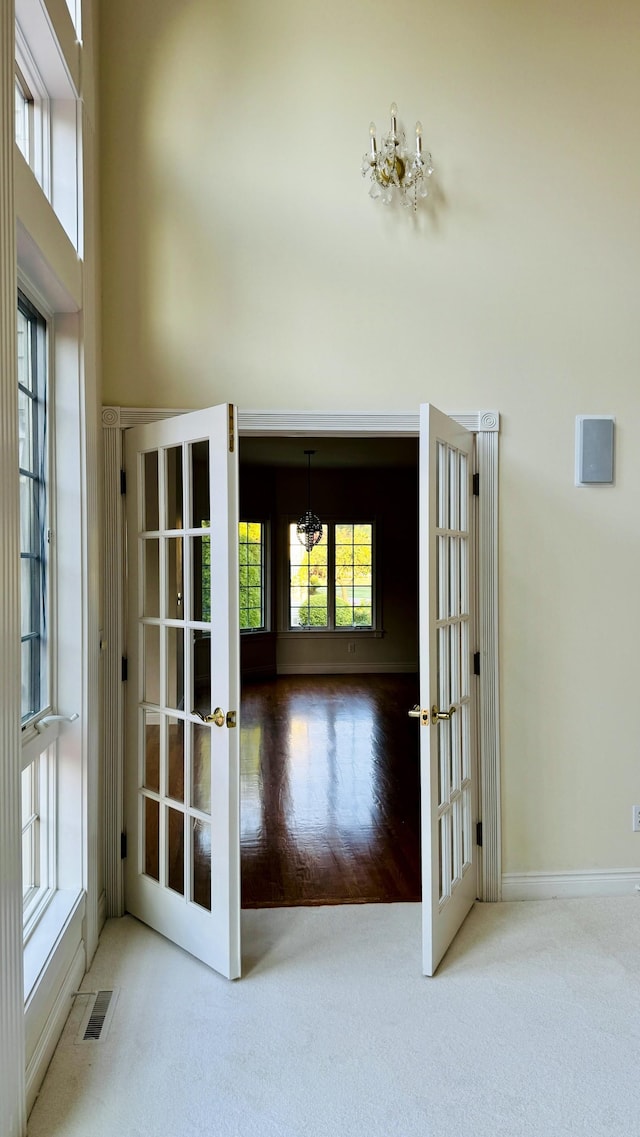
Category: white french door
[447,733]
[182,873]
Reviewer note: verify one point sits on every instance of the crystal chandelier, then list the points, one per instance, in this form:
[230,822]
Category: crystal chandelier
[394,170]
[309,527]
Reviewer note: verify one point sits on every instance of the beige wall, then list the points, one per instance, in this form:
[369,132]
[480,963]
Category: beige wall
[244,260]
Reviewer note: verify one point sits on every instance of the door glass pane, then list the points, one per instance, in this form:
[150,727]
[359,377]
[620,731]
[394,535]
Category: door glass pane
[175,583]
[443,783]
[201,502]
[454,831]
[465,659]
[442,576]
[151,515]
[200,578]
[441,855]
[442,488]
[201,853]
[465,717]
[454,492]
[201,767]
[454,593]
[175,759]
[444,691]
[175,667]
[464,492]
[466,826]
[454,655]
[463,600]
[151,838]
[175,850]
[173,501]
[151,726]
[151,656]
[201,672]
[151,556]
[455,731]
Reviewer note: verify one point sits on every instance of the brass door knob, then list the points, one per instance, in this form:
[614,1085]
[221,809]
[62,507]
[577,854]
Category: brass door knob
[217,716]
[442,716]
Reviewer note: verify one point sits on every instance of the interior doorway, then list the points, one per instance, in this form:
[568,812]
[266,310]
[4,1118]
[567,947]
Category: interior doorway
[117,421]
[330,785]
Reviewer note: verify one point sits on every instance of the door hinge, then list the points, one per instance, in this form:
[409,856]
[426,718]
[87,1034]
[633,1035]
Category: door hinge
[476,485]
[125,669]
[123,481]
[476,663]
[123,846]
[479,833]
[232,431]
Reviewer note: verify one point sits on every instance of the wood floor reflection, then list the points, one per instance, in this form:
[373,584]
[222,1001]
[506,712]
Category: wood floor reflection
[330,791]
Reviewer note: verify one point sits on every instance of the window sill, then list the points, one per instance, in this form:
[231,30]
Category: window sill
[64,905]
[329,633]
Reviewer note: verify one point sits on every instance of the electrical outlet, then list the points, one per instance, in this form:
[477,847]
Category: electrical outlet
[635,823]
[351,648]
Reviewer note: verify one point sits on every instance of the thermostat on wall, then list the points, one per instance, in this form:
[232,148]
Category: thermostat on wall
[594,450]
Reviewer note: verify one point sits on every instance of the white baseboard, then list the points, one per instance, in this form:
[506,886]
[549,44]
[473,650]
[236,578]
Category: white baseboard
[558,885]
[347,668]
[53,1028]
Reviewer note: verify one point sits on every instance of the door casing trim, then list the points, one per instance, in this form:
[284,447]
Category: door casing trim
[485,425]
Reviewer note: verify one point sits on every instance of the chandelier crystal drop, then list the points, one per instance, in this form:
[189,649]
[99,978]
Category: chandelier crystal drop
[309,527]
[394,170]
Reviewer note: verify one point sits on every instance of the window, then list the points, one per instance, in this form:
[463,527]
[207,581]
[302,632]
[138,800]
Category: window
[38,834]
[47,125]
[251,544]
[24,118]
[38,773]
[32,114]
[331,587]
[32,430]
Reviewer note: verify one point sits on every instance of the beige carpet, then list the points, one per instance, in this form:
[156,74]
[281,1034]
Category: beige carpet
[531,1027]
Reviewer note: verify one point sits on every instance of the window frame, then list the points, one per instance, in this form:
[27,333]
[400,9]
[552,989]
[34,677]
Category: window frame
[39,747]
[265,548]
[332,628]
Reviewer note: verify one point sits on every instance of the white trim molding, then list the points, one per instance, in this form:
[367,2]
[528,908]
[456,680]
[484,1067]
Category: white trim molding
[486,426]
[13,1118]
[570,885]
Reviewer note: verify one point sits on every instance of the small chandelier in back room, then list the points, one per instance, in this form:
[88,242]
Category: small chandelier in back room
[309,526]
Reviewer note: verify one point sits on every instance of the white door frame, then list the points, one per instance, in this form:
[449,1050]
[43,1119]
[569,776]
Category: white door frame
[485,425]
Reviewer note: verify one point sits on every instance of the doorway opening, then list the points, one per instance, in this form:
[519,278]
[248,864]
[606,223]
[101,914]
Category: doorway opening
[330,783]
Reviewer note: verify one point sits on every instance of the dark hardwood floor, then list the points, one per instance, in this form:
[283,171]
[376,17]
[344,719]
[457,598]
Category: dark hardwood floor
[330,794]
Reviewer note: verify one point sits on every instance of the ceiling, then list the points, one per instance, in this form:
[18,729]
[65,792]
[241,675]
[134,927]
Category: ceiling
[330,452]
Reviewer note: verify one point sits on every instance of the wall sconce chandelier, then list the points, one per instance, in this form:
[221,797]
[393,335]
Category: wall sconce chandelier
[394,170]
[309,527]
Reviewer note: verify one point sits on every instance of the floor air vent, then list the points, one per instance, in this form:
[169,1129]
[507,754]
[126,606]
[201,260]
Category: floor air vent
[97,1017]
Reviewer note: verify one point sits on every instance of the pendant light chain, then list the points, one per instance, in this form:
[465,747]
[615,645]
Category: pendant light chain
[309,528]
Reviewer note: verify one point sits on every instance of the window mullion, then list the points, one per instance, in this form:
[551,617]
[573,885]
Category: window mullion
[331,575]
